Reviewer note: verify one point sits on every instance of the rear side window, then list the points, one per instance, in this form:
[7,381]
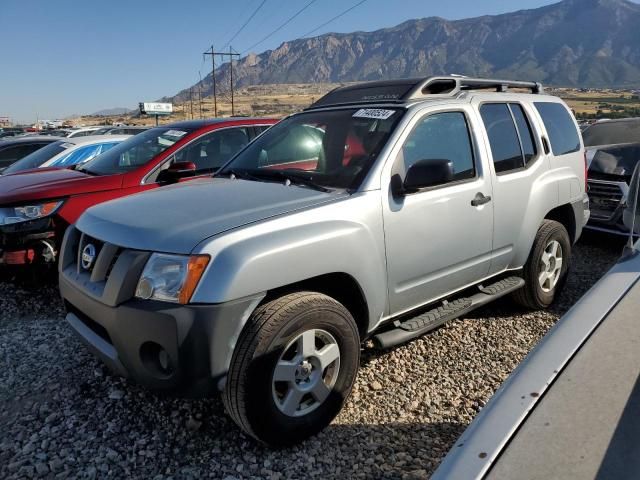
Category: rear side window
[526,134]
[563,134]
[503,137]
[510,136]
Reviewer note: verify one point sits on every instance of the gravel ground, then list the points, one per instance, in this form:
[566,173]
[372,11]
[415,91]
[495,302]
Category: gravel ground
[62,415]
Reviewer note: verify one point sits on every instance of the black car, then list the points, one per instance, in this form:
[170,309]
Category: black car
[14,149]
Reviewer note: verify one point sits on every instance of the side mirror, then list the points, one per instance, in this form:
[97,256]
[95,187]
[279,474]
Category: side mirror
[176,171]
[631,214]
[424,174]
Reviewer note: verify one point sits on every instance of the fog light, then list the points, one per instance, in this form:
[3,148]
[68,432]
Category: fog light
[145,289]
[157,360]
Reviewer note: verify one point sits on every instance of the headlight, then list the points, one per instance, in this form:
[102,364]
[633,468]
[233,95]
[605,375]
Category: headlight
[171,278]
[9,215]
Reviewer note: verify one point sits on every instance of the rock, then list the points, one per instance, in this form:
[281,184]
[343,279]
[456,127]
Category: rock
[376,385]
[193,424]
[41,469]
[116,394]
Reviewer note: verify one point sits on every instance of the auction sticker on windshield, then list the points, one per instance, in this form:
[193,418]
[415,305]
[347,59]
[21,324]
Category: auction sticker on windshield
[175,133]
[377,113]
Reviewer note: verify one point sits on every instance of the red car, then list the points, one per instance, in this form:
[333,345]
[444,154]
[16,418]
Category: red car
[37,206]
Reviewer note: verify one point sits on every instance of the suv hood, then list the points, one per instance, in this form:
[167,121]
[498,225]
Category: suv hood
[177,218]
[51,183]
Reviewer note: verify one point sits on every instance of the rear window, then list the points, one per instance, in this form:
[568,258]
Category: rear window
[562,131]
[612,133]
[37,158]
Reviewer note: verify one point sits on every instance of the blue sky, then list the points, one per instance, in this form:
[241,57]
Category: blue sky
[79,56]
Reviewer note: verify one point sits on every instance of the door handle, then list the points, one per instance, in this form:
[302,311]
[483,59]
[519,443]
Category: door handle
[480,199]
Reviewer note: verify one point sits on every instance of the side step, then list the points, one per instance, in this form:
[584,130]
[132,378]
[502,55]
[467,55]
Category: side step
[417,326]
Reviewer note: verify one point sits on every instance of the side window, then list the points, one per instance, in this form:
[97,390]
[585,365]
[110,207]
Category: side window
[106,146]
[526,134]
[561,129]
[9,155]
[214,150]
[301,145]
[80,155]
[441,136]
[503,137]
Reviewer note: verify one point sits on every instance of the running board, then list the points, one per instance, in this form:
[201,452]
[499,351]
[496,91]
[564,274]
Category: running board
[417,326]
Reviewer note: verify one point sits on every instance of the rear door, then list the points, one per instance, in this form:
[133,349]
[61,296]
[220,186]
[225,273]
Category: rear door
[517,161]
[436,240]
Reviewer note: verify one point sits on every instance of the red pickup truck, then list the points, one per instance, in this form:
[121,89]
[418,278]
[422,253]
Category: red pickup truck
[37,206]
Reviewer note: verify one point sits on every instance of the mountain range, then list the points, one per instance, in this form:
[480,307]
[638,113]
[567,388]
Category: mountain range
[584,43]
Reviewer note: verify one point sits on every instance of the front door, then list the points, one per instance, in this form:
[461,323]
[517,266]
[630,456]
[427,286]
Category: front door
[436,240]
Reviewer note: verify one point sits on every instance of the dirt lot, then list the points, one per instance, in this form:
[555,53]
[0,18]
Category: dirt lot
[63,415]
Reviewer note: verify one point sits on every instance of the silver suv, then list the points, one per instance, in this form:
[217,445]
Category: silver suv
[380,212]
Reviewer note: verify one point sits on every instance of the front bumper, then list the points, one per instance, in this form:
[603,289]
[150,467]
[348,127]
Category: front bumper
[28,242]
[186,348]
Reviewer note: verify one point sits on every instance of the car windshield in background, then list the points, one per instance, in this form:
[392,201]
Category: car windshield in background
[135,152]
[333,149]
[37,158]
[612,133]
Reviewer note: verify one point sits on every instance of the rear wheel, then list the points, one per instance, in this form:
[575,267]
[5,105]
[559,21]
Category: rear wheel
[547,267]
[293,368]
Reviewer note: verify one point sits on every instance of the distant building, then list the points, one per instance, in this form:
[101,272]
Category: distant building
[5,122]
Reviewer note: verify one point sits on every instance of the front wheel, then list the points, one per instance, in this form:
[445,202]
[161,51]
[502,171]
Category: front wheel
[293,368]
[547,266]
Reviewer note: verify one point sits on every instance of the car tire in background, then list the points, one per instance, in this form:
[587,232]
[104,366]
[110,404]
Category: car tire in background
[293,368]
[546,270]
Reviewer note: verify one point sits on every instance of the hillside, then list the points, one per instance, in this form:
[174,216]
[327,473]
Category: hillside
[586,43]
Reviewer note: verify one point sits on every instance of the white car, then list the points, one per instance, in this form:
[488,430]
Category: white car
[84,131]
[84,149]
[67,152]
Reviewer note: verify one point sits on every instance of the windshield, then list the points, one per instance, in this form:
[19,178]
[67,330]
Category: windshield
[135,152]
[37,158]
[612,133]
[333,149]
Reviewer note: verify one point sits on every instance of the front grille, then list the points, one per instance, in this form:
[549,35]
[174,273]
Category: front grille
[110,276]
[605,198]
[96,257]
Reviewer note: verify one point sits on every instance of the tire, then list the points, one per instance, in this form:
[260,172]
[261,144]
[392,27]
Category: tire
[537,294]
[272,343]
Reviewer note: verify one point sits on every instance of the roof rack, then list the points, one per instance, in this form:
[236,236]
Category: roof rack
[405,90]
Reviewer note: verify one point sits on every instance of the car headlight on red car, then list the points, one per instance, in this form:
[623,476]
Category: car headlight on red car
[25,213]
[171,278]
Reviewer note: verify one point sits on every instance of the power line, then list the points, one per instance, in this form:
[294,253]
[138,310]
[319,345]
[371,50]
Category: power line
[334,18]
[244,24]
[289,20]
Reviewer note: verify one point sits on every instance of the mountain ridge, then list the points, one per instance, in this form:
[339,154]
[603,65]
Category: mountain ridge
[546,44]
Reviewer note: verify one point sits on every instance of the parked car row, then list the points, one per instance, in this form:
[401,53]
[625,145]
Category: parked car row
[263,256]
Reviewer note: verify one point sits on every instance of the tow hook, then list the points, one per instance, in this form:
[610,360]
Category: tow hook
[48,252]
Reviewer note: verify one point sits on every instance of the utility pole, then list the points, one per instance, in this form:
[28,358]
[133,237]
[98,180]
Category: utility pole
[213,78]
[231,55]
[200,92]
[191,100]
[222,56]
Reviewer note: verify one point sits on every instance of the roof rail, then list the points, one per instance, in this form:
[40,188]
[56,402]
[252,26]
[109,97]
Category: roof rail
[453,84]
[404,90]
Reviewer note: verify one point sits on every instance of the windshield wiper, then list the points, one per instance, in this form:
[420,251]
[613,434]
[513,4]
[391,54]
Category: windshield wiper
[84,170]
[292,177]
[242,174]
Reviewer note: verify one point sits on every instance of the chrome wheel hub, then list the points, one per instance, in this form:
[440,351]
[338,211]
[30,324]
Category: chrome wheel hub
[550,266]
[306,372]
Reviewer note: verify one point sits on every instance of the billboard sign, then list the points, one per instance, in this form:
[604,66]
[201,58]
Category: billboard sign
[149,108]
